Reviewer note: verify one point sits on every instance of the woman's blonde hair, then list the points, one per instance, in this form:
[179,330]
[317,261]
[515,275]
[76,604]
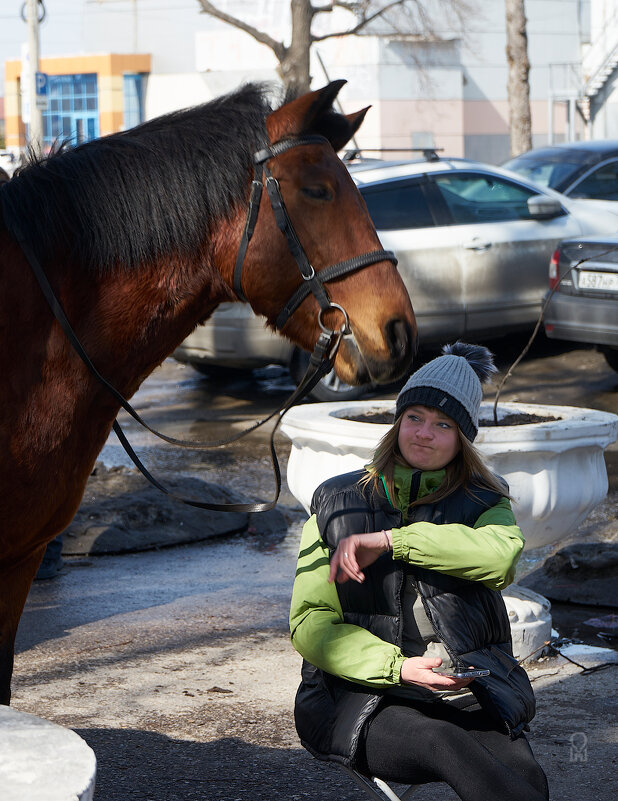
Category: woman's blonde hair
[466,470]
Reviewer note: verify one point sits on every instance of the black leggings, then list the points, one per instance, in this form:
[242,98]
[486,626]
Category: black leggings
[420,742]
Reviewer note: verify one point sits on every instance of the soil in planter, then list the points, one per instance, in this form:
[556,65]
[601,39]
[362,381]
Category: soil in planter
[520,419]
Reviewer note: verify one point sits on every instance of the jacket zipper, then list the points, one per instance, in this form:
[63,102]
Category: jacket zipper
[414,488]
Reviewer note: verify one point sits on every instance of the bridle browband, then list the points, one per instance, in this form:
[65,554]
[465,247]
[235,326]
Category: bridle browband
[320,362]
[313,282]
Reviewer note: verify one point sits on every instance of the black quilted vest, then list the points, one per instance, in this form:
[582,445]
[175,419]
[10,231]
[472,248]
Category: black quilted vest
[468,618]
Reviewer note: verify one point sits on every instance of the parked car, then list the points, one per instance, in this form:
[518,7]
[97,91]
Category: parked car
[473,244]
[577,169]
[583,300]
[8,162]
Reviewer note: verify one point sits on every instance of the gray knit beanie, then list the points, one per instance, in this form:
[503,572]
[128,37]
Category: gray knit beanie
[452,384]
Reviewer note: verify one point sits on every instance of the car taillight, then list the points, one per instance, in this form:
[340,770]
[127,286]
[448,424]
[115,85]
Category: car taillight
[553,269]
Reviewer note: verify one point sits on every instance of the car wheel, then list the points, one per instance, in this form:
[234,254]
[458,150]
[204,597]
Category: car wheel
[611,357]
[330,388]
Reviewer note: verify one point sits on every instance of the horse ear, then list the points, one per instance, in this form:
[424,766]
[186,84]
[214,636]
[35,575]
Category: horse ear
[313,113]
[354,122]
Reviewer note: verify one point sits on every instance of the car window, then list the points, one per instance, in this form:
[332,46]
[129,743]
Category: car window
[544,171]
[396,206]
[602,183]
[479,198]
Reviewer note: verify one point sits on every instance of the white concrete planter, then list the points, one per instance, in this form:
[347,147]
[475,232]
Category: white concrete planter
[530,620]
[42,761]
[555,470]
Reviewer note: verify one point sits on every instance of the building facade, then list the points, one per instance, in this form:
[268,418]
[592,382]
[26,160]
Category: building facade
[450,93]
[88,96]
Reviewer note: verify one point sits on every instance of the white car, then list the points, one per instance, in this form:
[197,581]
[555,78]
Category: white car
[8,162]
[473,243]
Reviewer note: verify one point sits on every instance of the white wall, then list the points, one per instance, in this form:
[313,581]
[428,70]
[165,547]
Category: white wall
[603,35]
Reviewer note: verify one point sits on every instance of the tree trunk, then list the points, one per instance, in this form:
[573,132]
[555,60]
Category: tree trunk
[518,87]
[294,67]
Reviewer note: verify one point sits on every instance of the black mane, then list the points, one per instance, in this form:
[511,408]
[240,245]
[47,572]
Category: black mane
[130,197]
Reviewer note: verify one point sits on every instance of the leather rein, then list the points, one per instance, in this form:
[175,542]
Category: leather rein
[320,362]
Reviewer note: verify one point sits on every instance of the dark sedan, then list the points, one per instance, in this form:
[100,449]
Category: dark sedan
[577,169]
[583,306]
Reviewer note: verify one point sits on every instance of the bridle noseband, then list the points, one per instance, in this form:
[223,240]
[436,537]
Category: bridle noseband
[313,282]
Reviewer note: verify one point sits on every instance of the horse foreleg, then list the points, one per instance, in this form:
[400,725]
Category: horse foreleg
[15,582]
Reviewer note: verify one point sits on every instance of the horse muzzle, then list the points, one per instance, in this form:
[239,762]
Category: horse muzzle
[359,364]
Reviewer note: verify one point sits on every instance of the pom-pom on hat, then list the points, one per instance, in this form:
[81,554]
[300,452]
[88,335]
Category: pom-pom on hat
[452,384]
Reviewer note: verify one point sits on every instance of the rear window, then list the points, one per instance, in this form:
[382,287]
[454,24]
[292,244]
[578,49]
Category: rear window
[543,171]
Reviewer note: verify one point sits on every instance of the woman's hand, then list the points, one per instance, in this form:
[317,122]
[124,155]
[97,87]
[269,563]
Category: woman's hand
[356,552]
[418,670]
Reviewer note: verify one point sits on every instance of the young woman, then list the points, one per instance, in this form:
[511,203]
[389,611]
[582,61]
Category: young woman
[397,592]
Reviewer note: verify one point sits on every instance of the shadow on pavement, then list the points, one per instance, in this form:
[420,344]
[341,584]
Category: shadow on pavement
[136,765]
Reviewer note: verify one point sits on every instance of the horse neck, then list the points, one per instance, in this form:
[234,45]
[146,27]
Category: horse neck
[127,321]
[56,416]
[138,319]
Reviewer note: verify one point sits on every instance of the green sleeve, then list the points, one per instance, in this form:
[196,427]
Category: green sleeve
[318,630]
[487,552]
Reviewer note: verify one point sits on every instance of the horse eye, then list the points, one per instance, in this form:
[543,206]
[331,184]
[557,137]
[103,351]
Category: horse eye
[317,192]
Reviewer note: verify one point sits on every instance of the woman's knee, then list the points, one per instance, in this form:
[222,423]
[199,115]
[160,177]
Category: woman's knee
[534,773]
[517,754]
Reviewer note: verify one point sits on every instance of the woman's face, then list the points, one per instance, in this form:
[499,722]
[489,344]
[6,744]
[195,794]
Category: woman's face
[428,439]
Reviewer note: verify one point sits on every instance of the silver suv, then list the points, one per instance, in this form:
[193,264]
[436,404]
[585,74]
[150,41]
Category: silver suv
[473,244]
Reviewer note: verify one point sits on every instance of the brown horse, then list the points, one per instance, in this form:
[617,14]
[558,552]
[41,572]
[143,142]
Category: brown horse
[138,234]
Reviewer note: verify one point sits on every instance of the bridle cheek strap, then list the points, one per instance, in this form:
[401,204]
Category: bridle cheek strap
[312,282]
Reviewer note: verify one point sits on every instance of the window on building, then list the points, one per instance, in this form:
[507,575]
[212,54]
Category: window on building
[133,88]
[73,109]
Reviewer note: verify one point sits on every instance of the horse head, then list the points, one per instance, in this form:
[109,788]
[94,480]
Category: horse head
[333,225]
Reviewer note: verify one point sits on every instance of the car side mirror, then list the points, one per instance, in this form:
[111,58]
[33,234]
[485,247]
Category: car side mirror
[542,207]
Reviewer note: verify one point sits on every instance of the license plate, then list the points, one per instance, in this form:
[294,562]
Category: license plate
[603,281]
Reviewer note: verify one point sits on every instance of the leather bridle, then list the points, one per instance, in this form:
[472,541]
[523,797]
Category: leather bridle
[320,362]
[312,281]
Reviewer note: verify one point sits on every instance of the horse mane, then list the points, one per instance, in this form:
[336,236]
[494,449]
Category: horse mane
[130,197]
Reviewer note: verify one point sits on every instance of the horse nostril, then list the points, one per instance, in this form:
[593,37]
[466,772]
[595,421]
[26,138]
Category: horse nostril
[400,341]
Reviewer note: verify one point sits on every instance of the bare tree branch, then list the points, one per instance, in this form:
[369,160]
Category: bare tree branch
[411,19]
[364,21]
[278,48]
[424,26]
